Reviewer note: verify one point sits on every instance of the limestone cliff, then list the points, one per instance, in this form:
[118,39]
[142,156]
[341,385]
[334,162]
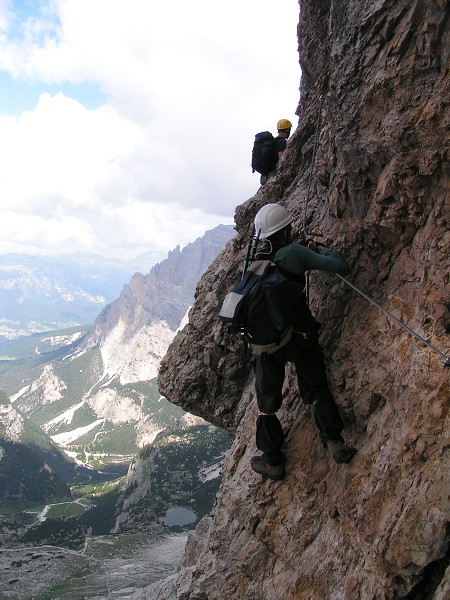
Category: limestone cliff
[134,331]
[376,528]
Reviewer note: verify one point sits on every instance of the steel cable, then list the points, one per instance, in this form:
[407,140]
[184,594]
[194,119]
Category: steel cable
[446,359]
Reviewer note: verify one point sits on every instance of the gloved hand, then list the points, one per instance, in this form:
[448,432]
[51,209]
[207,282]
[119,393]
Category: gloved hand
[314,246]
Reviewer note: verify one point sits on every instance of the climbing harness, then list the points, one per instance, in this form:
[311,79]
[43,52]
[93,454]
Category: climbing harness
[446,361]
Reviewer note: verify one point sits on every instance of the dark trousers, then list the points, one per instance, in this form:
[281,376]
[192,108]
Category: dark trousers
[265,178]
[307,356]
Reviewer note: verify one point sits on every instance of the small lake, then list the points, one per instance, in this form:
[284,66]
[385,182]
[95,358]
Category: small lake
[178,515]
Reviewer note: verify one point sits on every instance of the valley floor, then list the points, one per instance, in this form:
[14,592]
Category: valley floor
[109,567]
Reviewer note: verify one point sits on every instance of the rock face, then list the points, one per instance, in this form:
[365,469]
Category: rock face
[376,528]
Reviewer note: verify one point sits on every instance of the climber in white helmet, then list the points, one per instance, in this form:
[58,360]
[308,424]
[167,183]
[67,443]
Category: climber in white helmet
[273,224]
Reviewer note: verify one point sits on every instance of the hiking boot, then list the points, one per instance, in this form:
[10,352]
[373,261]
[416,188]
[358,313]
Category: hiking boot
[340,452]
[274,472]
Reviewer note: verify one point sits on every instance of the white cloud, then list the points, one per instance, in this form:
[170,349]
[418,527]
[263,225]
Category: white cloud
[61,149]
[166,156]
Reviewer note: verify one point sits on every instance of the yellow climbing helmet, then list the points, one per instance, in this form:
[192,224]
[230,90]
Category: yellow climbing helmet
[284,124]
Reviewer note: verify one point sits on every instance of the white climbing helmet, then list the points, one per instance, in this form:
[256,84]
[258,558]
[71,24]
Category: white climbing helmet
[270,219]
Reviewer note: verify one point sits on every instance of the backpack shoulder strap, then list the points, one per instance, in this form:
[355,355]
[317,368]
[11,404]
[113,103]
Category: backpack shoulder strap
[258,265]
[261,255]
[292,276]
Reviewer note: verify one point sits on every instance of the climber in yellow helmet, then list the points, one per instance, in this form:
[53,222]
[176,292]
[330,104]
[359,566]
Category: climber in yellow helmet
[279,146]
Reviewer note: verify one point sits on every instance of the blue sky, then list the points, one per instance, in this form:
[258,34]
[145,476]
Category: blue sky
[19,96]
[127,125]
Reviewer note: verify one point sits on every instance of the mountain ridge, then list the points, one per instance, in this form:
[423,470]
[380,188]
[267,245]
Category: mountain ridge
[116,396]
[151,308]
[40,293]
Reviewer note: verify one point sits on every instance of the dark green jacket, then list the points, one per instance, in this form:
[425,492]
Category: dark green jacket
[298,259]
[294,260]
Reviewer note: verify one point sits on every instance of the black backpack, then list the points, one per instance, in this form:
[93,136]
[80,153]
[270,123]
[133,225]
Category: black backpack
[259,306]
[262,153]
